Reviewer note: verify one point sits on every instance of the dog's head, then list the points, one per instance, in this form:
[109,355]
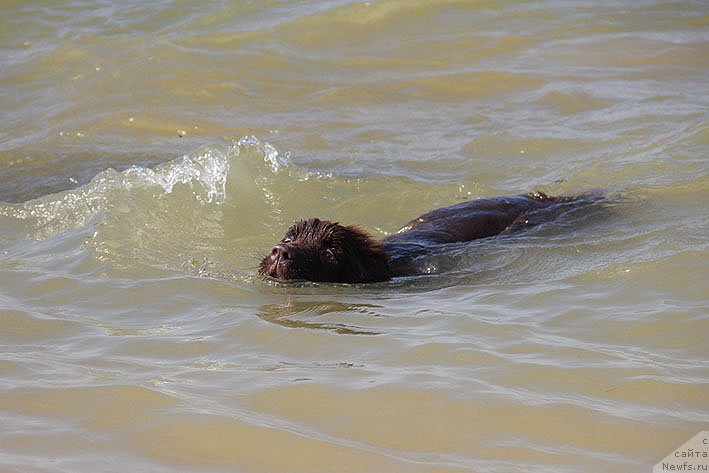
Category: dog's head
[320,250]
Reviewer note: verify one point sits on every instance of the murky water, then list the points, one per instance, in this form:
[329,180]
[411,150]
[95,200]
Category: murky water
[151,152]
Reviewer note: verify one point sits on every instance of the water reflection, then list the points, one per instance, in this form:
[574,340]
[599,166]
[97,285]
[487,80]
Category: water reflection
[304,315]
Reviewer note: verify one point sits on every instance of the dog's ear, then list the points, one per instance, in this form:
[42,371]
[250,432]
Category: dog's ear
[369,259]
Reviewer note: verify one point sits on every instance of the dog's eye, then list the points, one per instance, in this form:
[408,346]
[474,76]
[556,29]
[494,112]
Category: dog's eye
[331,255]
[287,240]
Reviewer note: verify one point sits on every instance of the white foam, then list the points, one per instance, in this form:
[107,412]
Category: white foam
[205,172]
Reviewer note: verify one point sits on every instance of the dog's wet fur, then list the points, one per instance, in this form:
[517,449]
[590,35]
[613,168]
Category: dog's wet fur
[325,251]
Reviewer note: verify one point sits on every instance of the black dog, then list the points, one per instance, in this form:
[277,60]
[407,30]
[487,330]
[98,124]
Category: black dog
[320,250]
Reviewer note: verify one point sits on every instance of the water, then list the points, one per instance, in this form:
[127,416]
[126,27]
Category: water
[152,152]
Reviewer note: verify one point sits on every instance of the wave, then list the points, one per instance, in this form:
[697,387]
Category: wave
[205,172]
[192,213]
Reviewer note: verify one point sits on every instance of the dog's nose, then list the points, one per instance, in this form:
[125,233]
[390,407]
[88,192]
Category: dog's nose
[280,252]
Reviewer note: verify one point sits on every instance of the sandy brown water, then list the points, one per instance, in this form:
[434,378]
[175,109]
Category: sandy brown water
[151,152]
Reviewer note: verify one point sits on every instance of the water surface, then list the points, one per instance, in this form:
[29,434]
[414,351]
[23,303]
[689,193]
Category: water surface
[151,153]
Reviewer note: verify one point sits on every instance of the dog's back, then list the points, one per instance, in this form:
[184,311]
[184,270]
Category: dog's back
[476,219]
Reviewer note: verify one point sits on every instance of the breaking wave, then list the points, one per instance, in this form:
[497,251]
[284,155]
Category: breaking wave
[204,173]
